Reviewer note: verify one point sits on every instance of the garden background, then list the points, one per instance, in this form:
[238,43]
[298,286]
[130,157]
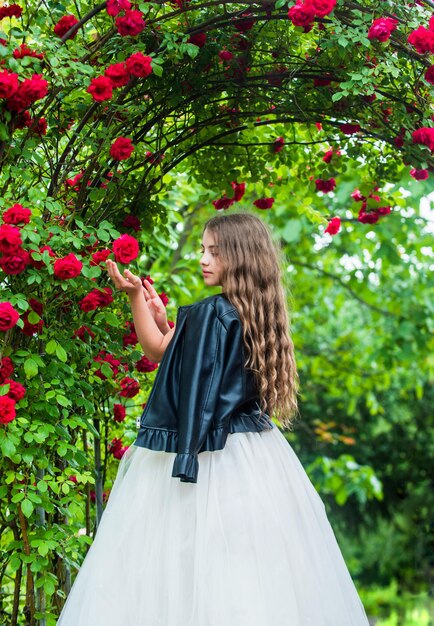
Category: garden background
[123,127]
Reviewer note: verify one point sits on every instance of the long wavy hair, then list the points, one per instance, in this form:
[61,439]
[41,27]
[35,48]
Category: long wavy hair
[252,280]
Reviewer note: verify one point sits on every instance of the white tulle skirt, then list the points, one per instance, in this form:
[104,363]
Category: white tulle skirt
[249,544]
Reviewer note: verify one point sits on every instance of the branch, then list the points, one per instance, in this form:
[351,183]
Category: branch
[338,279]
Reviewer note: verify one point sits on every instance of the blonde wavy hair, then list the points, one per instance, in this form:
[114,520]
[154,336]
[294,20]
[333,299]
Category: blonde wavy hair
[252,281]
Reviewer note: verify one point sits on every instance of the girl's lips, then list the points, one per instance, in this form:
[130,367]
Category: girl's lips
[206,272]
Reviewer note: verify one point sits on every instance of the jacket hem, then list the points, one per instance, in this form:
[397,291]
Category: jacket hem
[166,440]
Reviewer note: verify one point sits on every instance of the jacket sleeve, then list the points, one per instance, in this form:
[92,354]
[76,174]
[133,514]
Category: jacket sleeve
[201,371]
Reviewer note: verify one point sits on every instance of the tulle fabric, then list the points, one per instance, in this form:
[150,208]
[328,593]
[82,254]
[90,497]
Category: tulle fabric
[249,544]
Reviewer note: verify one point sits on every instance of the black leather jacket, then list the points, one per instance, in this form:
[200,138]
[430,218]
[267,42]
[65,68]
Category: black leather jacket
[202,391]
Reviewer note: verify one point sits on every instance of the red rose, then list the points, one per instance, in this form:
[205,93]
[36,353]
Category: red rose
[119,412]
[125,249]
[120,453]
[245,23]
[198,39]
[223,203]
[90,302]
[130,339]
[121,149]
[153,158]
[424,136]
[429,75]
[118,74]
[264,203]
[8,316]
[144,365]
[104,357]
[115,445]
[239,190]
[301,14]
[321,7]
[419,174]
[105,296]
[333,226]
[131,24]
[383,210]
[225,55]
[16,262]
[72,182]
[139,65]
[24,51]
[41,126]
[148,278]
[368,218]
[357,196]
[17,214]
[13,10]
[325,185]
[130,387]
[64,24]
[6,368]
[16,390]
[67,267]
[8,84]
[40,264]
[100,88]
[382,28]
[96,298]
[350,129]
[100,256]
[10,239]
[278,144]
[114,7]
[34,88]
[133,222]
[422,39]
[30,90]
[83,331]
[7,409]
[328,156]
[36,306]
[163,297]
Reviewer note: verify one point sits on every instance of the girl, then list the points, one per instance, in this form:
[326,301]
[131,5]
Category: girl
[212,520]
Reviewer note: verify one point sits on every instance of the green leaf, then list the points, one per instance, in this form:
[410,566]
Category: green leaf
[43,549]
[63,401]
[8,447]
[50,348]
[30,368]
[103,235]
[157,69]
[33,317]
[27,507]
[61,353]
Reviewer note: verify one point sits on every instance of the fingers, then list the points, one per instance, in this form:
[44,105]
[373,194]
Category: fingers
[113,271]
[132,278]
[150,288]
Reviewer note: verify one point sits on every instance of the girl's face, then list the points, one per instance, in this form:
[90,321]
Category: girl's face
[210,260]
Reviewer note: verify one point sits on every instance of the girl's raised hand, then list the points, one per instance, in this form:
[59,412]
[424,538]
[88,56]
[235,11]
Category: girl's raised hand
[130,283]
[155,305]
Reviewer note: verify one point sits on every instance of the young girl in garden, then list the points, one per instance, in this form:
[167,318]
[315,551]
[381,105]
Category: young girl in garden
[212,520]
